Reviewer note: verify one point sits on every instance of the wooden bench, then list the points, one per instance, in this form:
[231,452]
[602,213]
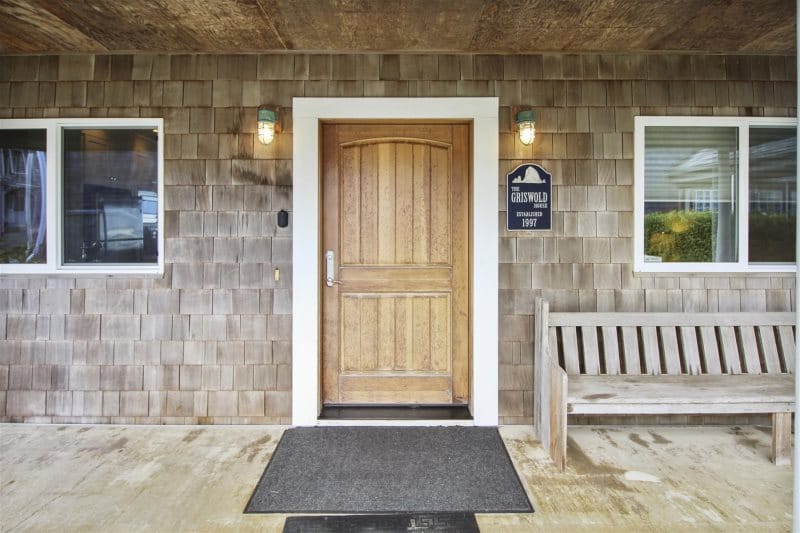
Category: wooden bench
[660,364]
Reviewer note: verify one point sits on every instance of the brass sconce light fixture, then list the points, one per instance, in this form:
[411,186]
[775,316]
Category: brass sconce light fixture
[526,126]
[267,122]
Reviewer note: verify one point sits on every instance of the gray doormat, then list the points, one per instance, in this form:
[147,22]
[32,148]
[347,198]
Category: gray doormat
[385,523]
[390,470]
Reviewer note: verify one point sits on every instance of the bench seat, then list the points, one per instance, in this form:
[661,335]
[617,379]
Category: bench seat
[681,394]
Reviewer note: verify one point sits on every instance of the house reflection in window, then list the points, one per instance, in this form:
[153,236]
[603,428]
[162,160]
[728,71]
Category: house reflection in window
[23,209]
[110,196]
[690,194]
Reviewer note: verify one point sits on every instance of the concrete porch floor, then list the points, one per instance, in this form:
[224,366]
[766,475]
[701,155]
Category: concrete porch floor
[174,478]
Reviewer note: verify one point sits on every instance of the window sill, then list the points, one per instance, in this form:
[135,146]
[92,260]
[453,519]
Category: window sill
[711,270]
[20,271]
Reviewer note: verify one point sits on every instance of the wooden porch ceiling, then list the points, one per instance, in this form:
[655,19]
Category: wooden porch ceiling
[490,26]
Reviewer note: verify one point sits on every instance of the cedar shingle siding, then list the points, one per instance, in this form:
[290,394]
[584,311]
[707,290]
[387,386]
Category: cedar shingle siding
[210,342]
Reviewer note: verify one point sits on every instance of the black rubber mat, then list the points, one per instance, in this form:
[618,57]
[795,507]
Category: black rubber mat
[385,523]
[395,412]
[390,470]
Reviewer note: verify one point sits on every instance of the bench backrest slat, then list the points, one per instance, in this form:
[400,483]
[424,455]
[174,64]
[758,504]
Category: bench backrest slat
[610,350]
[752,363]
[553,341]
[630,346]
[591,351]
[772,362]
[710,350]
[730,350]
[652,361]
[670,352]
[787,342]
[569,339]
[691,350]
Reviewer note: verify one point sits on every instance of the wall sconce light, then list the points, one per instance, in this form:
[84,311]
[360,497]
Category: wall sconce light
[267,119]
[526,125]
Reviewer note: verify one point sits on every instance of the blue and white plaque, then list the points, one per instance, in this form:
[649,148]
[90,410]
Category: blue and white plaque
[530,198]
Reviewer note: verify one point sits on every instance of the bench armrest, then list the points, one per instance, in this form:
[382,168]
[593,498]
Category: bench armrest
[550,391]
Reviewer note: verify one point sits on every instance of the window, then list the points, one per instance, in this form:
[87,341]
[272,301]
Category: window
[23,182]
[772,212]
[715,194]
[81,196]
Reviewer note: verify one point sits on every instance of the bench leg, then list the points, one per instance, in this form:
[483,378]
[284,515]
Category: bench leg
[782,438]
[558,418]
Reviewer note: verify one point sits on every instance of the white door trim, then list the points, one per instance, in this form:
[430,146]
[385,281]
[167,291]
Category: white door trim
[306,252]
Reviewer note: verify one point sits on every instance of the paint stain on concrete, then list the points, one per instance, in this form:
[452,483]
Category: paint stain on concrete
[606,436]
[192,435]
[748,442]
[138,474]
[743,439]
[521,448]
[254,448]
[658,439]
[603,475]
[582,464]
[716,509]
[711,515]
[118,444]
[634,437]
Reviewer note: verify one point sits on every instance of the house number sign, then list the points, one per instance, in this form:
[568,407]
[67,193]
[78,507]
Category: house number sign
[530,198]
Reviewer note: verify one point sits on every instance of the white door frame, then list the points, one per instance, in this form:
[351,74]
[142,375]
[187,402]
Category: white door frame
[306,242]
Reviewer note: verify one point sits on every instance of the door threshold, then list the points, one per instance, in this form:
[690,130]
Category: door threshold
[431,413]
[392,423]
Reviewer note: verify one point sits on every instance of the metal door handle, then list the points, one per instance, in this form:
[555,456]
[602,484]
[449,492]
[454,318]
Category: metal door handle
[329,274]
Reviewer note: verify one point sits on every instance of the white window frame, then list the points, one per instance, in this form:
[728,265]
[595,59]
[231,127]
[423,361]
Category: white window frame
[54,204]
[743,124]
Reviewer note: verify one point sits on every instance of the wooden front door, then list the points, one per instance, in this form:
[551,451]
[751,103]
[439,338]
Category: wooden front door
[395,321]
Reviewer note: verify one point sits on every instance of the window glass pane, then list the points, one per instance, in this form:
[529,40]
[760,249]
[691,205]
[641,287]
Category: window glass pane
[110,196]
[690,182]
[773,195]
[23,211]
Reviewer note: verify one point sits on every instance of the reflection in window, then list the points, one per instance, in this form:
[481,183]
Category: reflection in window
[690,176]
[23,211]
[110,196]
[773,194]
